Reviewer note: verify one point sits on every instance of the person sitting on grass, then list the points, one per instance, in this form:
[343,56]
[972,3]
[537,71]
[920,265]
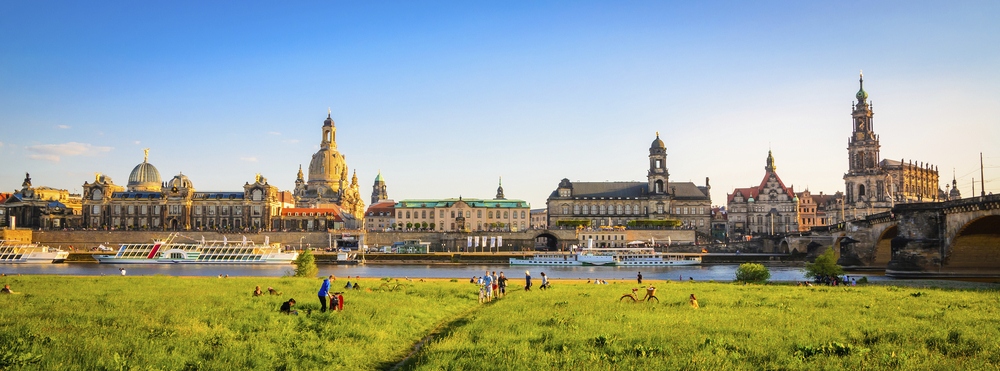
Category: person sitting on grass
[694,301]
[6,290]
[286,307]
[257,292]
[348,285]
[357,285]
[272,291]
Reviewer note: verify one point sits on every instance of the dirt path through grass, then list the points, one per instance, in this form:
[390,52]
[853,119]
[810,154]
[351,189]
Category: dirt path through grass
[445,327]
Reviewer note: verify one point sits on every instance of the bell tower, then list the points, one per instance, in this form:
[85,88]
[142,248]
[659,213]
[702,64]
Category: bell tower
[329,133]
[658,176]
[863,153]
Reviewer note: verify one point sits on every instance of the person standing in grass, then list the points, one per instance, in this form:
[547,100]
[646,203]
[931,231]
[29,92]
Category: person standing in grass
[639,277]
[694,301]
[488,286]
[502,281]
[527,281]
[496,284]
[324,292]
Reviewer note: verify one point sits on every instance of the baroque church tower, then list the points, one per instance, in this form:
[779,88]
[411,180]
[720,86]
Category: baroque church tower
[378,189]
[658,177]
[865,180]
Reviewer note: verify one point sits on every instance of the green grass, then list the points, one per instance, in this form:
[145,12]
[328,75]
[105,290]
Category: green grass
[170,323]
[584,327]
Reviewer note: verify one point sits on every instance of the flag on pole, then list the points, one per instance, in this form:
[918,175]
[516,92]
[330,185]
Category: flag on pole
[493,242]
[469,244]
[499,241]
[477,241]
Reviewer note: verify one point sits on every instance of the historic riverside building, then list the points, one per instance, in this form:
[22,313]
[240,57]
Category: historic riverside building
[148,203]
[768,208]
[819,209]
[378,189]
[328,186]
[463,214]
[873,185]
[617,203]
[39,207]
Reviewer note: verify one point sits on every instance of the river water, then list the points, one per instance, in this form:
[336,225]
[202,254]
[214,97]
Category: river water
[697,272]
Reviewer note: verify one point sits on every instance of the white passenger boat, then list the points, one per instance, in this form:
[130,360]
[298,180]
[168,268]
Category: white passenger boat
[639,256]
[204,252]
[21,252]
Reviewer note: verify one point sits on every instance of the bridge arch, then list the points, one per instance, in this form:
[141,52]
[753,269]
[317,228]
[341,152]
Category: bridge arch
[976,246]
[882,253]
[549,240]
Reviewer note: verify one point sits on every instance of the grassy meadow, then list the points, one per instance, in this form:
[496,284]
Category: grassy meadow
[584,327]
[171,323]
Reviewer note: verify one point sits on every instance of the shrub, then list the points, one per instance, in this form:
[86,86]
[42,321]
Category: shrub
[654,223]
[305,264]
[750,272]
[825,265]
[573,223]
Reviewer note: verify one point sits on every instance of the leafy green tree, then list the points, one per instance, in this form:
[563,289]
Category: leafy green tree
[432,226]
[750,272]
[825,265]
[423,225]
[393,225]
[409,225]
[305,264]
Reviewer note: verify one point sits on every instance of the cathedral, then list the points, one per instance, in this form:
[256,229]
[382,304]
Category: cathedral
[328,184]
[872,185]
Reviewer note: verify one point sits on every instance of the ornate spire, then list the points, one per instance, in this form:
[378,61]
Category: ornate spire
[145,155]
[500,195]
[862,95]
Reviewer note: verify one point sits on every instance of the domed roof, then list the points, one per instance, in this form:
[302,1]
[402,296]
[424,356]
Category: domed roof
[180,181]
[328,121]
[379,177]
[657,143]
[144,177]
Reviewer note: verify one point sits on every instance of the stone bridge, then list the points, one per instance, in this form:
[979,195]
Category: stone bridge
[958,238]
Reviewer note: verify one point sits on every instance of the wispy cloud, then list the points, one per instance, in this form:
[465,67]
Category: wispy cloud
[136,142]
[52,158]
[51,152]
[63,126]
[274,133]
[291,141]
[248,159]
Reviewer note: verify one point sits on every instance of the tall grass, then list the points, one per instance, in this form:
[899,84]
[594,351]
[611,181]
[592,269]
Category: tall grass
[170,323]
[584,327]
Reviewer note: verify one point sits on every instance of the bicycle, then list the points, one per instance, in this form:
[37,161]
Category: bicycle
[634,298]
[396,287]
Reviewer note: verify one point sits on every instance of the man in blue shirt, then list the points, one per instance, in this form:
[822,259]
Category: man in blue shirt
[488,286]
[324,291]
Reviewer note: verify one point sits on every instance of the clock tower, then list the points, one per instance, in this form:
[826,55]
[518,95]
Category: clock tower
[864,183]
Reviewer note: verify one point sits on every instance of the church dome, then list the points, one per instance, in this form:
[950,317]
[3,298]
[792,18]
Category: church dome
[328,121]
[180,181]
[327,165]
[862,95]
[144,177]
[657,143]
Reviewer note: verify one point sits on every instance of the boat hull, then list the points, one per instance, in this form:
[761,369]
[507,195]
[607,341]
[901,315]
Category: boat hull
[556,263]
[113,260]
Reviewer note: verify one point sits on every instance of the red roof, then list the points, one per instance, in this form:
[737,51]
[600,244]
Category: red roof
[384,206]
[4,196]
[755,191]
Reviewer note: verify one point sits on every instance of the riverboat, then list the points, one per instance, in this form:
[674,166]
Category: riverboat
[30,253]
[203,252]
[636,256]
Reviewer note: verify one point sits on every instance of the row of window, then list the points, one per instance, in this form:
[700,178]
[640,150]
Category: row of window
[468,214]
[176,210]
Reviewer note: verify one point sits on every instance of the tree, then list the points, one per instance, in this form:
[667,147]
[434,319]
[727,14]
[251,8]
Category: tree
[825,265]
[572,223]
[305,264]
[432,226]
[393,225]
[750,272]
[423,225]
[409,225]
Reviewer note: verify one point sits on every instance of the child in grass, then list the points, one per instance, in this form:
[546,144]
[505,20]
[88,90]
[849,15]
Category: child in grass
[286,307]
[6,290]
[694,301]
[257,292]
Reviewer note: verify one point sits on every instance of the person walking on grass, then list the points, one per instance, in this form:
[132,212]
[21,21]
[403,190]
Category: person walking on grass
[639,277]
[527,281]
[324,293]
[488,286]
[496,285]
[502,282]
[545,282]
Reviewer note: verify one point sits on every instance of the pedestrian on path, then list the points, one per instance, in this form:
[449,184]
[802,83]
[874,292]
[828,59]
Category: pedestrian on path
[527,281]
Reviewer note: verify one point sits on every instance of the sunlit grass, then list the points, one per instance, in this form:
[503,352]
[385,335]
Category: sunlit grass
[584,327]
[170,323]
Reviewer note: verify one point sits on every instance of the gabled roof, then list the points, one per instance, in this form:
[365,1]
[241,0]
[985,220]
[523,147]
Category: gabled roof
[755,191]
[609,189]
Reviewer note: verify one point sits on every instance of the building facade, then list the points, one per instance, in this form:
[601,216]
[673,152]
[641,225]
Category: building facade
[381,216]
[40,207]
[768,208]
[148,203]
[539,218]
[873,185]
[617,203]
[819,209]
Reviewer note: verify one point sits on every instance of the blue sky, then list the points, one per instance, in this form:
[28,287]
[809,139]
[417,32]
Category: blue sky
[445,97]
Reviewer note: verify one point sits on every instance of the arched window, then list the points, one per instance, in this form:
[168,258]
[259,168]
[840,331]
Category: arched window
[576,209]
[505,215]
[628,209]
[603,210]
[861,190]
[565,209]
